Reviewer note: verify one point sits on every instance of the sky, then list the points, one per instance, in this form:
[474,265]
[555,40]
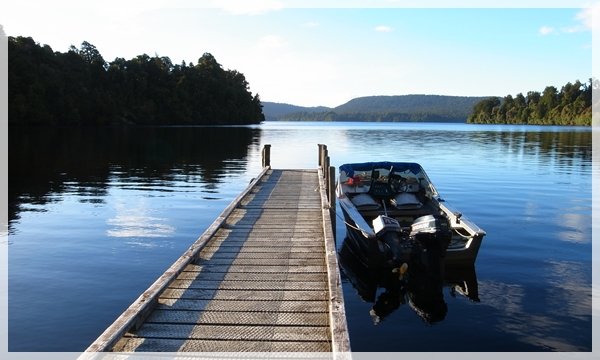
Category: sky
[314,53]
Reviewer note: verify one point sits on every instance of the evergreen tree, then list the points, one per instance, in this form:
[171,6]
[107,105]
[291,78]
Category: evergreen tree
[572,105]
[80,88]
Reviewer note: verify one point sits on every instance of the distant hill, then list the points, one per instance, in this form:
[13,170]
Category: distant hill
[381,108]
[275,111]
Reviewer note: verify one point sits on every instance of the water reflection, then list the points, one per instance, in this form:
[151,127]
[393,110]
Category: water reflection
[47,164]
[135,220]
[524,316]
[530,191]
[422,291]
[567,151]
[574,226]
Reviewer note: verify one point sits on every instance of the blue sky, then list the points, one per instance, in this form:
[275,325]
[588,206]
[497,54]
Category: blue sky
[326,56]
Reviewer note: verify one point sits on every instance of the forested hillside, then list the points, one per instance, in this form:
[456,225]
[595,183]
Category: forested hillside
[80,88]
[275,111]
[572,105]
[433,108]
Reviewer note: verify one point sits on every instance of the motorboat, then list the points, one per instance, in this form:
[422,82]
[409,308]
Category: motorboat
[395,215]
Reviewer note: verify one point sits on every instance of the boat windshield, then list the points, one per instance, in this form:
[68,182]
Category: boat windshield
[359,177]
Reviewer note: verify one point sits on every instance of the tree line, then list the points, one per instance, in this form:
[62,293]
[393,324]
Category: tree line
[383,116]
[80,88]
[572,105]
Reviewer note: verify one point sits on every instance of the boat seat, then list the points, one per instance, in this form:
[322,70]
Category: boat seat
[365,202]
[406,201]
[355,189]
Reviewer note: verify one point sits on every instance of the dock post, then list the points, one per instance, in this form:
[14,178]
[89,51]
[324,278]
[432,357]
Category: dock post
[331,194]
[326,176]
[266,155]
[325,167]
[328,173]
[322,148]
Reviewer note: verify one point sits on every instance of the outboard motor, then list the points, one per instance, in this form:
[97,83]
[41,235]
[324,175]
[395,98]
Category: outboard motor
[389,232]
[434,235]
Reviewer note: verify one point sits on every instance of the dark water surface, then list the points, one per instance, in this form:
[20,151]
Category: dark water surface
[96,215]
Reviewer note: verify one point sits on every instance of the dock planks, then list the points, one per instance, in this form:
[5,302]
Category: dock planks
[263,278]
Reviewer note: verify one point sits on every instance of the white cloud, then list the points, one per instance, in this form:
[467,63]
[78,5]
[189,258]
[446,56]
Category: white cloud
[383,28]
[546,30]
[245,7]
[587,15]
[310,24]
[585,22]
[271,42]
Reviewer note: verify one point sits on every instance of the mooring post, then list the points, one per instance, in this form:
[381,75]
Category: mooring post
[328,180]
[331,181]
[331,195]
[266,155]
[326,175]
[322,148]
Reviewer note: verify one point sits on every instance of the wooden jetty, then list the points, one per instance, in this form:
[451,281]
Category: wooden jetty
[262,278]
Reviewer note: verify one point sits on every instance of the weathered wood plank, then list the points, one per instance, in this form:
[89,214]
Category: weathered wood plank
[262,248]
[241,261]
[233,276]
[261,269]
[248,318]
[247,285]
[237,252]
[275,239]
[288,295]
[317,306]
[234,332]
[177,345]
[284,234]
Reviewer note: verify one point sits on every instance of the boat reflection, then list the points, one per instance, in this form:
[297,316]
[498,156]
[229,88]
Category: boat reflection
[422,290]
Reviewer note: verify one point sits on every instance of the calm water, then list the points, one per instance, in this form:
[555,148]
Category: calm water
[95,216]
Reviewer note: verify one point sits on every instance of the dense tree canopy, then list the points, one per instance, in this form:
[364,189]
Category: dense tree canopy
[572,105]
[80,88]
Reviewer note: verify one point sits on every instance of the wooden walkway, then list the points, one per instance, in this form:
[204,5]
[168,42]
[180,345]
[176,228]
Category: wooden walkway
[262,278]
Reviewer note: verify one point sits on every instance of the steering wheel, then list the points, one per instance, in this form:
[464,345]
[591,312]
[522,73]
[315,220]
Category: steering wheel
[397,183]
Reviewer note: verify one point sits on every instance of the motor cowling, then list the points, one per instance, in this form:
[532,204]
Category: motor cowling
[431,228]
[434,235]
[382,224]
[396,243]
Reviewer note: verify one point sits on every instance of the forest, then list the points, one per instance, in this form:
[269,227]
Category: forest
[395,108]
[572,105]
[80,88]
[372,117]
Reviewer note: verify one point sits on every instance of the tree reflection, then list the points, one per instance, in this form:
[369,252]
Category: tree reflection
[563,149]
[47,162]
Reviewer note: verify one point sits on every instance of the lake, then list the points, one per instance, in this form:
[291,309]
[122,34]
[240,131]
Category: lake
[96,215]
